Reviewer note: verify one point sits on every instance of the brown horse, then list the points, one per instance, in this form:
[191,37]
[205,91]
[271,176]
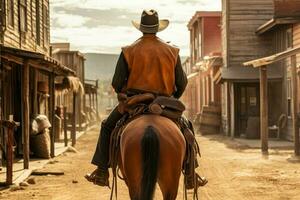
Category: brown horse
[152,150]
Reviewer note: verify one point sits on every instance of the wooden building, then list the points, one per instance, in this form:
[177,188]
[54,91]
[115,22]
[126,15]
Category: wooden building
[75,61]
[202,92]
[27,72]
[284,29]
[91,98]
[240,85]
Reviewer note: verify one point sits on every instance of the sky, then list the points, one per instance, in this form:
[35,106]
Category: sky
[104,26]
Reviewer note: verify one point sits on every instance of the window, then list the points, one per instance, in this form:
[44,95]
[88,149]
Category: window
[10,12]
[289,38]
[45,25]
[33,25]
[38,22]
[23,16]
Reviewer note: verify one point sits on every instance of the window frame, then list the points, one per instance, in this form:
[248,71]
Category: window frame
[23,20]
[45,24]
[37,22]
[10,13]
[289,38]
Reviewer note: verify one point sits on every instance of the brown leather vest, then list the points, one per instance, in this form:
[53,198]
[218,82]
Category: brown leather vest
[151,64]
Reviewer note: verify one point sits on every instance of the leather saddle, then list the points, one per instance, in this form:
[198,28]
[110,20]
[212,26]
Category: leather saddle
[127,104]
[167,106]
[161,105]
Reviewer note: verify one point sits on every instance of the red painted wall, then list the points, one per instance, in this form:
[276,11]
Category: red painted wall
[211,35]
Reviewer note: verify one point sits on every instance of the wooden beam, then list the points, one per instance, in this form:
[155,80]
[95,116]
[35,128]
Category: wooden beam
[52,112]
[65,127]
[10,126]
[25,114]
[262,62]
[97,106]
[9,156]
[90,102]
[12,58]
[73,132]
[40,65]
[264,109]
[295,105]
[35,100]
[79,102]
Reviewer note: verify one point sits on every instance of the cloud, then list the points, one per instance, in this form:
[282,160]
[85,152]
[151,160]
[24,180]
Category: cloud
[68,20]
[94,17]
[104,26]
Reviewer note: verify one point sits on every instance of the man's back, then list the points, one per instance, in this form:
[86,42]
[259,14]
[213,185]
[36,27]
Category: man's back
[151,65]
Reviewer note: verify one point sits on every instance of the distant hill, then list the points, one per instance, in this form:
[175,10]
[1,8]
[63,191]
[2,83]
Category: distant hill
[100,66]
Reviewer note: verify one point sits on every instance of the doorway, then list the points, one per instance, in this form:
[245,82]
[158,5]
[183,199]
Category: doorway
[247,105]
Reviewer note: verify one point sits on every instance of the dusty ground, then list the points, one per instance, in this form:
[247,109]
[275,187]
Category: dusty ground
[234,173]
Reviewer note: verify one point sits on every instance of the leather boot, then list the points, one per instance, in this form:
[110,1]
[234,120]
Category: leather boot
[100,175]
[193,182]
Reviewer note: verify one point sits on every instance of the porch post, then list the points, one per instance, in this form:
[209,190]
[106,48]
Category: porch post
[25,113]
[295,106]
[65,127]
[264,109]
[97,109]
[73,132]
[52,113]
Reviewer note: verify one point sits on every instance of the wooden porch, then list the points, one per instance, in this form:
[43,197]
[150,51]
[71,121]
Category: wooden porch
[29,68]
[263,64]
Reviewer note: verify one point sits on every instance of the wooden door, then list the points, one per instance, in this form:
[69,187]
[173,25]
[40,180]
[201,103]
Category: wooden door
[247,105]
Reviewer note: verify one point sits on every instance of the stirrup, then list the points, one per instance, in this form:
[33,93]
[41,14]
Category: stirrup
[192,183]
[98,177]
[201,181]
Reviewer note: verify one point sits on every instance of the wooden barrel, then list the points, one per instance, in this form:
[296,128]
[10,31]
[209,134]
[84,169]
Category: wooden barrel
[210,120]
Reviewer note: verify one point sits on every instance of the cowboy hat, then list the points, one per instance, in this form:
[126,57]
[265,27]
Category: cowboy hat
[150,22]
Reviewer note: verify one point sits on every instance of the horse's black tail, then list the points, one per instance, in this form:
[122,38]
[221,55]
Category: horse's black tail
[150,157]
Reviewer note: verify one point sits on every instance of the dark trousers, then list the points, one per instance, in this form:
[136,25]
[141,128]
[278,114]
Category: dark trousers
[101,154]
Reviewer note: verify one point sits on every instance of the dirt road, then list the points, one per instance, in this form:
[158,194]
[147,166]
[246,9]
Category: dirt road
[234,173]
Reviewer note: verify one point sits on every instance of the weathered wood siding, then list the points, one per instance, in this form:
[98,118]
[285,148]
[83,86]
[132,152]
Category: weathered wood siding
[74,60]
[13,37]
[296,43]
[243,18]
[296,39]
[225,23]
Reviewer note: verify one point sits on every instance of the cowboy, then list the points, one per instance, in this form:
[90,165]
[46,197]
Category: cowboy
[148,65]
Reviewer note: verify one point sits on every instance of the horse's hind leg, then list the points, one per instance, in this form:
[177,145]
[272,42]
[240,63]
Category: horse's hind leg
[170,193]
[169,186]
[133,192]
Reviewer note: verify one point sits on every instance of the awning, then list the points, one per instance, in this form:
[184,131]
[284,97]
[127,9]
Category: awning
[37,60]
[269,25]
[273,58]
[242,74]
[210,61]
[69,83]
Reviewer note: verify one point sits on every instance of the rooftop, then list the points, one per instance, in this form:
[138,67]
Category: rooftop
[202,14]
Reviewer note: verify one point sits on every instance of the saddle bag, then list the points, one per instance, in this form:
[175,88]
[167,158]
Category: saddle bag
[127,104]
[167,106]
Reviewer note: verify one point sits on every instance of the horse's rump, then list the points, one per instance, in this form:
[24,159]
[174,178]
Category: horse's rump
[171,153]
